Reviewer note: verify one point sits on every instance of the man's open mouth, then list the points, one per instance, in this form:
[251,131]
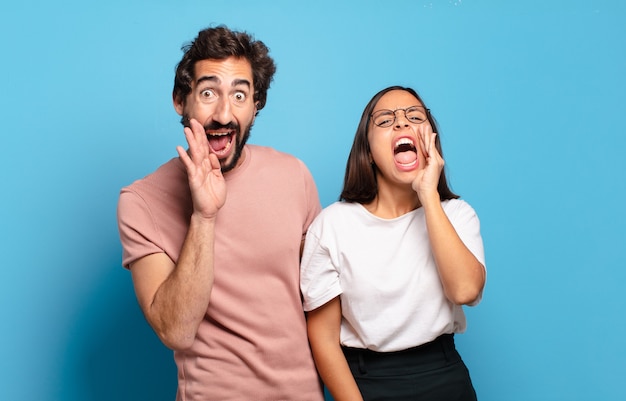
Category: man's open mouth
[220,143]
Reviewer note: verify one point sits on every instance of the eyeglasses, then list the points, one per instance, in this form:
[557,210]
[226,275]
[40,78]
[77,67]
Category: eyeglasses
[414,114]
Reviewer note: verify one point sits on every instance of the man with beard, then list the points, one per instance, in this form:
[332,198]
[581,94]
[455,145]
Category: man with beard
[213,237]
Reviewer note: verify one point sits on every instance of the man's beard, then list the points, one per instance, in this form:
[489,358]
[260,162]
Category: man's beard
[239,145]
[239,142]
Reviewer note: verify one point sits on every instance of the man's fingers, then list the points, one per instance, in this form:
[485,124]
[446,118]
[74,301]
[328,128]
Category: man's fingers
[197,140]
[215,162]
[197,129]
[184,157]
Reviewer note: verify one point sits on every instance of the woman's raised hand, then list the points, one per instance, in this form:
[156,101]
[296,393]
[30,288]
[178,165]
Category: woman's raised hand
[427,178]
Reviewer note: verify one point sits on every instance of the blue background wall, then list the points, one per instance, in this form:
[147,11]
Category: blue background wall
[530,99]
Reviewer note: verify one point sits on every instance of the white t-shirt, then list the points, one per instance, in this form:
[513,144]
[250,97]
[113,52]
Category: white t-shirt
[383,270]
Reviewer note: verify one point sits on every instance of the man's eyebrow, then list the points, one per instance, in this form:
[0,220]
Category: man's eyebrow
[210,78]
[214,79]
[245,82]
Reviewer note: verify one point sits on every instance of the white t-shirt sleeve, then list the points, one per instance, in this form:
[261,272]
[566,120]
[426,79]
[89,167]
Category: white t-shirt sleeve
[319,277]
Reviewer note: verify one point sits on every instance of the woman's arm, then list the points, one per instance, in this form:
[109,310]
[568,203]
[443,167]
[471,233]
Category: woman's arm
[462,275]
[323,326]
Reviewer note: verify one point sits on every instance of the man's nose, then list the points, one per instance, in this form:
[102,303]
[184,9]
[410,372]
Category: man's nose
[223,111]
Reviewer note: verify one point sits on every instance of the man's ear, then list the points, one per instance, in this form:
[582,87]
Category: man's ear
[179,103]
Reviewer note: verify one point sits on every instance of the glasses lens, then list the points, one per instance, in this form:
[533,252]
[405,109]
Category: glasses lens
[383,118]
[416,115]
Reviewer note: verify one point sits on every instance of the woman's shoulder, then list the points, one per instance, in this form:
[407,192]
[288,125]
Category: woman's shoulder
[455,204]
[337,212]
[458,209]
[341,207]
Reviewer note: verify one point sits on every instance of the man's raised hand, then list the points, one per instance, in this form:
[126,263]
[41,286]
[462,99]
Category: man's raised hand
[207,185]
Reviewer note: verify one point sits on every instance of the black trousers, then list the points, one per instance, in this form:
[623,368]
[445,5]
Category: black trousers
[429,372]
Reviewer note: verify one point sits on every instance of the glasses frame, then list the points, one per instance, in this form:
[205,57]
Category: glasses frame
[395,117]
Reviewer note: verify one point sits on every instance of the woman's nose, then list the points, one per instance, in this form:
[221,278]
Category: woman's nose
[401,120]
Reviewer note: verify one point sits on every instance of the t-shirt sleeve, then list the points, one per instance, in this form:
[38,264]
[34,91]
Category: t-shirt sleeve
[138,232]
[319,278]
[467,225]
[313,206]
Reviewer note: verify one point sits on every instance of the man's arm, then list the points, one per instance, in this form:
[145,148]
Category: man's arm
[174,297]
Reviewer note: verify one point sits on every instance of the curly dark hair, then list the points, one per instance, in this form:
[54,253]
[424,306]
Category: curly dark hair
[219,43]
[360,183]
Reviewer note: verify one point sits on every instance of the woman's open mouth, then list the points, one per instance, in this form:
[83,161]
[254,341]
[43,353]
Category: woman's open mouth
[405,152]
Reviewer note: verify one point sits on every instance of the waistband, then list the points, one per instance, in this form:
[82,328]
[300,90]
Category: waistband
[437,352]
[444,340]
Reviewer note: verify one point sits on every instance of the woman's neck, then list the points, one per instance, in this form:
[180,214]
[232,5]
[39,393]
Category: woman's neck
[392,204]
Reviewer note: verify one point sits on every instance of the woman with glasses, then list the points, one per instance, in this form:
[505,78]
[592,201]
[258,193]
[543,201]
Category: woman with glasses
[386,270]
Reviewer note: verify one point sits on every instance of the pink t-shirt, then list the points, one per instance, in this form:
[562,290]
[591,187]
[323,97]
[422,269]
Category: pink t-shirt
[252,344]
